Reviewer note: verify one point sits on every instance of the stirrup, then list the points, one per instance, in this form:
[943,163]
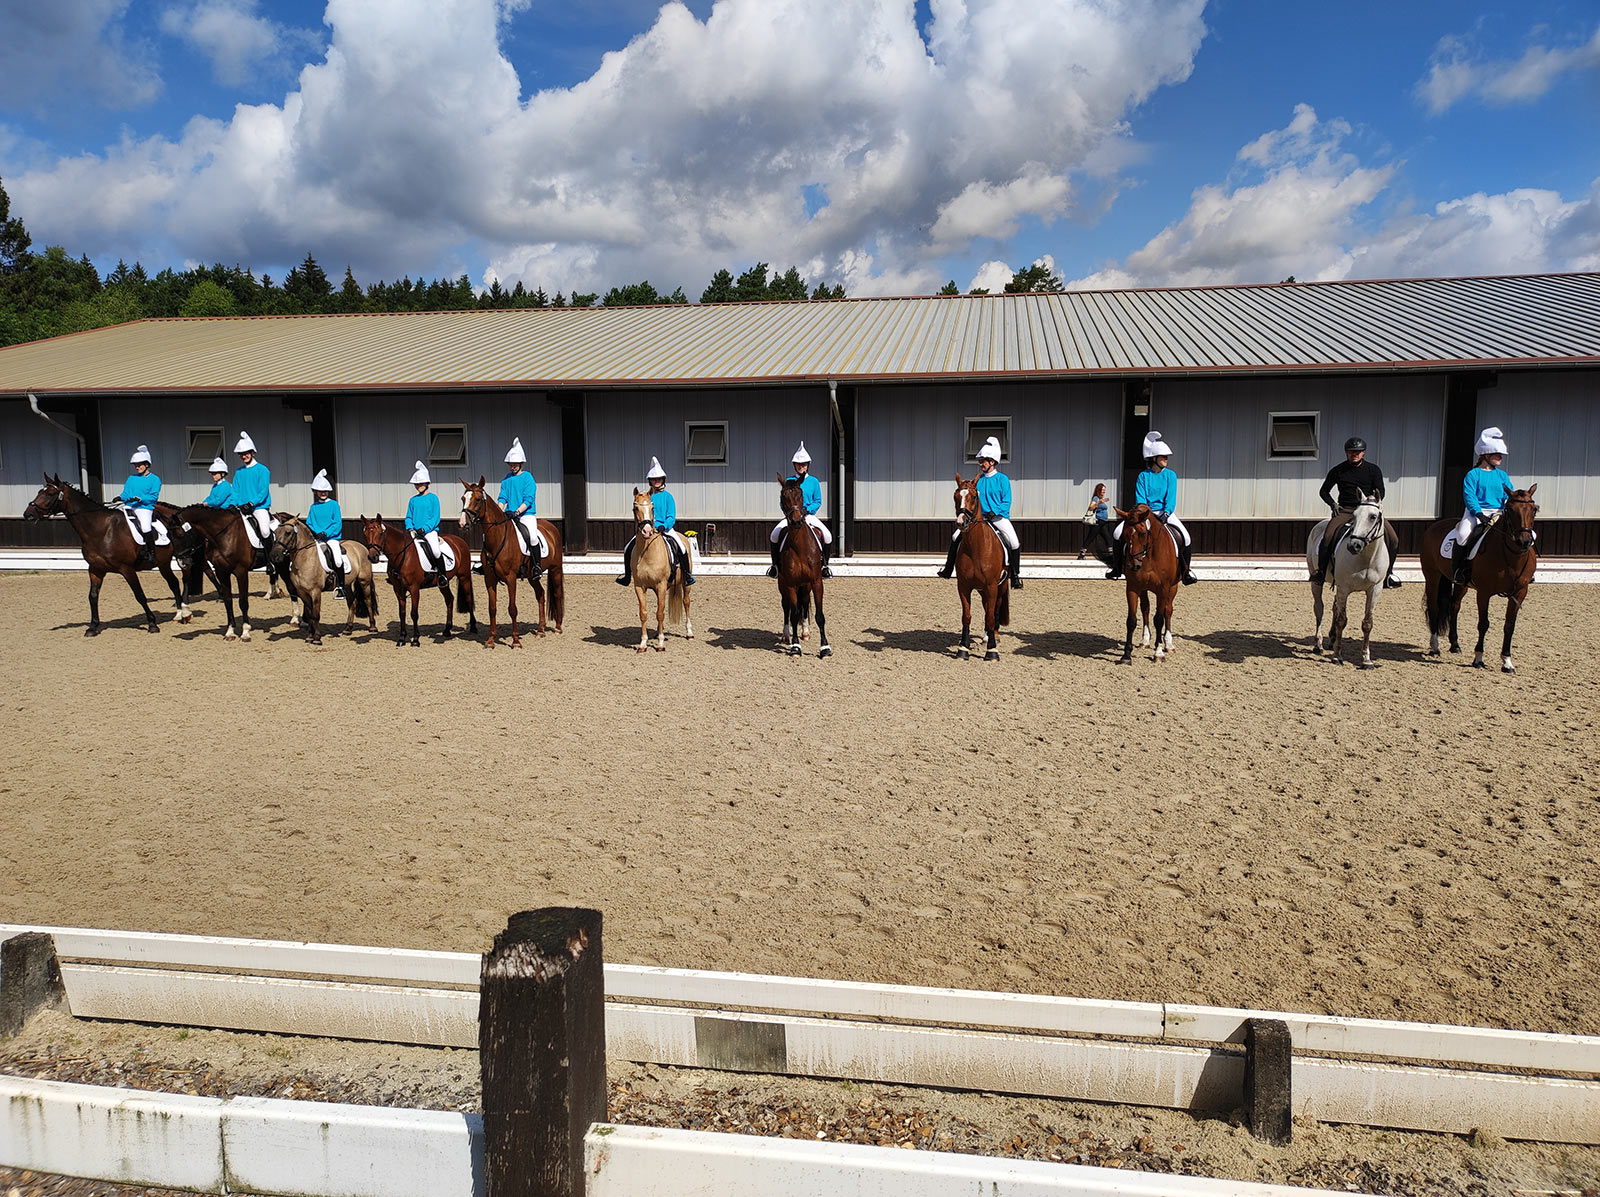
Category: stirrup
[827,570]
[1392,583]
[772,571]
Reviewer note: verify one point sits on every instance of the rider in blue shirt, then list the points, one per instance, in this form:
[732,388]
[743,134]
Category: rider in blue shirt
[994,499]
[811,494]
[664,509]
[326,523]
[519,496]
[422,516]
[1483,491]
[221,494]
[139,495]
[252,487]
[1157,489]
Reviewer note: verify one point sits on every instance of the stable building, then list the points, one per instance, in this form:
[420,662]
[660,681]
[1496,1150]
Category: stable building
[1255,387]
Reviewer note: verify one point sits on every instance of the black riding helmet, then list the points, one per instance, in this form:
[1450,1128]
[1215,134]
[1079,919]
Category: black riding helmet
[1355,445]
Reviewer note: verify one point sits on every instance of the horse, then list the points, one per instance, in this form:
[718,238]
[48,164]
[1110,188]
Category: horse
[651,564]
[230,555]
[504,561]
[1360,569]
[406,574]
[799,571]
[1149,566]
[294,555]
[109,548]
[981,566]
[1503,567]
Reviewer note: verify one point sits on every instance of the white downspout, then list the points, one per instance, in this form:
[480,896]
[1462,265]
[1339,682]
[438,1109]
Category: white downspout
[83,452]
[838,423]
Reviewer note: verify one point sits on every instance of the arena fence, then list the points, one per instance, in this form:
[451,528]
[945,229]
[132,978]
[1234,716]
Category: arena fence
[1518,1085]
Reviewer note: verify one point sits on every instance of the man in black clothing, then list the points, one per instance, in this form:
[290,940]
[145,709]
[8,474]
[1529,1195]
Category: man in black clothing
[1354,476]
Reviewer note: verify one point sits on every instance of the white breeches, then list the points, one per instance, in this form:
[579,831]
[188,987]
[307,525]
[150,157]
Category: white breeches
[1003,529]
[333,554]
[1173,522]
[530,525]
[145,516]
[1470,521]
[434,543]
[814,521]
[264,522]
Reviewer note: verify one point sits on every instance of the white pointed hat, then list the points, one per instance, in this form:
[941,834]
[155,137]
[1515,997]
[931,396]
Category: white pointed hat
[421,475]
[245,445]
[515,453]
[142,453]
[218,466]
[1154,446]
[991,449]
[320,482]
[655,470]
[1491,440]
[800,454]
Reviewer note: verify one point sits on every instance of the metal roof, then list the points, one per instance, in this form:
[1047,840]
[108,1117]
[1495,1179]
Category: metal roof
[1399,324]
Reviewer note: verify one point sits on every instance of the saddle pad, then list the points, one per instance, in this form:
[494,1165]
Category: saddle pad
[522,540]
[325,554]
[250,530]
[1448,546]
[156,526]
[424,555]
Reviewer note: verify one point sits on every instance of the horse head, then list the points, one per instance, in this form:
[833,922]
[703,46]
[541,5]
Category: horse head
[49,501]
[791,499]
[968,508]
[1366,523]
[285,540]
[644,514]
[373,533]
[472,500]
[1516,517]
[1138,533]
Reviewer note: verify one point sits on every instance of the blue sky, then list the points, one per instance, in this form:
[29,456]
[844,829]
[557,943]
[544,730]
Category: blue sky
[882,144]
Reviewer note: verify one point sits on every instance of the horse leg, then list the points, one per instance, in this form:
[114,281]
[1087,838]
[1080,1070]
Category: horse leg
[311,610]
[1457,593]
[1366,626]
[991,622]
[181,614]
[644,621]
[449,605]
[1144,619]
[416,623]
[822,622]
[1164,623]
[1316,611]
[1483,627]
[1513,604]
[1133,621]
[1341,615]
[491,584]
[661,617]
[132,575]
[95,582]
[966,622]
[791,629]
[244,603]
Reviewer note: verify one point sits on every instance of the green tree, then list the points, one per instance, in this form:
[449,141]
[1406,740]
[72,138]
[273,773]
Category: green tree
[787,286]
[350,298]
[823,291]
[308,288]
[14,239]
[950,288]
[633,295]
[1037,277]
[720,289]
[209,298]
[752,284]
[584,299]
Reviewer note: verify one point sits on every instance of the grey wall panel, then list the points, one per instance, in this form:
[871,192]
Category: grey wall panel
[1552,427]
[381,437]
[1218,432]
[1065,437]
[282,437]
[765,425]
[30,448]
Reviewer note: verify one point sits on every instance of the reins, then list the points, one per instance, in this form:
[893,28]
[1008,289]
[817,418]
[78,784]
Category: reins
[482,517]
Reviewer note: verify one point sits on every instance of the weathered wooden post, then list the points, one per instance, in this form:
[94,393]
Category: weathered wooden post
[30,980]
[1268,1077]
[542,1051]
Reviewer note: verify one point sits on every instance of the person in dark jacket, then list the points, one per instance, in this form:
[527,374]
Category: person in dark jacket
[1353,477]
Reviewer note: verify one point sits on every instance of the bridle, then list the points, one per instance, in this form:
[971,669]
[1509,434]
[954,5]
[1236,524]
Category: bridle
[1135,561]
[1519,538]
[480,514]
[644,525]
[1359,543]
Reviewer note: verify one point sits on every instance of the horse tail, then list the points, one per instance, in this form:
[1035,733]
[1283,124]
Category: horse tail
[802,608]
[358,600]
[1003,615]
[558,597]
[675,611]
[464,591]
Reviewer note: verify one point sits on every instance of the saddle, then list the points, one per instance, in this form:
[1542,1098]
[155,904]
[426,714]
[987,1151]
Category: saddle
[156,526]
[522,540]
[425,556]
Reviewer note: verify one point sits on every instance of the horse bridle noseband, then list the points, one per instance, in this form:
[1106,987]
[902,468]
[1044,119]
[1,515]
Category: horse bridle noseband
[1364,541]
[482,517]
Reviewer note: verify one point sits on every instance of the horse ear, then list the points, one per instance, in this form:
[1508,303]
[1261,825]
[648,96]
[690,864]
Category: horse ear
[1531,489]
[782,481]
[960,481]
[1121,514]
[637,492]
[482,480]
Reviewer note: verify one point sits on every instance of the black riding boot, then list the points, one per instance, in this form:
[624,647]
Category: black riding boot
[1014,567]
[147,553]
[1391,582]
[949,568]
[533,564]
[338,581]
[827,552]
[685,557]
[626,576]
[1116,559]
[1324,560]
[1461,564]
[772,570]
[1185,551]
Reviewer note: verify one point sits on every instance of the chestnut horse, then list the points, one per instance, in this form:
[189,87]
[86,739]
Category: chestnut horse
[981,566]
[652,569]
[799,571]
[109,548]
[407,574]
[504,561]
[295,556]
[231,556]
[1149,566]
[1503,567]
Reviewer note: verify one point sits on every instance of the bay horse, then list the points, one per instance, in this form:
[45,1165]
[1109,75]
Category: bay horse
[109,548]
[229,553]
[799,571]
[980,566]
[504,561]
[407,573]
[1503,568]
[651,564]
[1360,569]
[1150,566]
[295,556]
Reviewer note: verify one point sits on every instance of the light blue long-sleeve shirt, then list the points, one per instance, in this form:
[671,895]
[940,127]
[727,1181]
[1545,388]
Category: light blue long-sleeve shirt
[221,495]
[518,491]
[252,486]
[994,494]
[665,508]
[141,490]
[422,513]
[325,519]
[1486,490]
[810,492]
[1158,490]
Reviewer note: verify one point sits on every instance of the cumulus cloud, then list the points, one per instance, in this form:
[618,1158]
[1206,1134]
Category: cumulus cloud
[693,147]
[72,48]
[236,39]
[1456,72]
[1307,208]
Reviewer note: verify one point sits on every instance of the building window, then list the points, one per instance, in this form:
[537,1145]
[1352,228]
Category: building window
[447,445]
[981,428]
[1291,435]
[705,443]
[205,446]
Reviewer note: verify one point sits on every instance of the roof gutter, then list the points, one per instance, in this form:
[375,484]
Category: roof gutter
[838,479]
[83,452]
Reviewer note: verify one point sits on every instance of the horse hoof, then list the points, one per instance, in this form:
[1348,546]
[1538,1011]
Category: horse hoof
[91,631]
[825,651]
[992,655]
[1124,660]
[230,634]
[962,654]
[794,650]
[640,650]
[1479,665]
[1455,651]
[416,644]
[1508,669]
[152,627]
[1369,664]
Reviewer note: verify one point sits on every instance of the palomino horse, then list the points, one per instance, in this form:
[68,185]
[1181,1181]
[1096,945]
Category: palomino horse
[295,556]
[799,571]
[981,566]
[1150,566]
[504,561]
[109,548]
[1503,567]
[230,555]
[1360,569]
[652,569]
[407,573]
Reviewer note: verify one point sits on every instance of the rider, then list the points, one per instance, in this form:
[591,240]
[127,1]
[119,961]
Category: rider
[422,517]
[518,495]
[327,524]
[1157,489]
[1485,490]
[221,494]
[994,499]
[1354,477]
[252,487]
[811,492]
[139,495]
[665,509]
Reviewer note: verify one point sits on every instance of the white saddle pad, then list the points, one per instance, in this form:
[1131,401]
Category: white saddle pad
[325,554]
[251,531]
[156,526]
[1449,546]
[522,540]
[425,555]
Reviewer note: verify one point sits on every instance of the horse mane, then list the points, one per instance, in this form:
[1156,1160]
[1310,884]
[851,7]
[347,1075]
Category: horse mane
[93,502]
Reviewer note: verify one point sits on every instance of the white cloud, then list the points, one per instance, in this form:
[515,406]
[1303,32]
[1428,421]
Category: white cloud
[72,48]
[1454,73]
[688,149]
[992,277]
[235,38]
[1311,214]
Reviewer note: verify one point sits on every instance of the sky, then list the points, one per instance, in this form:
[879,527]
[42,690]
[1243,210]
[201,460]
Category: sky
[886,145]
